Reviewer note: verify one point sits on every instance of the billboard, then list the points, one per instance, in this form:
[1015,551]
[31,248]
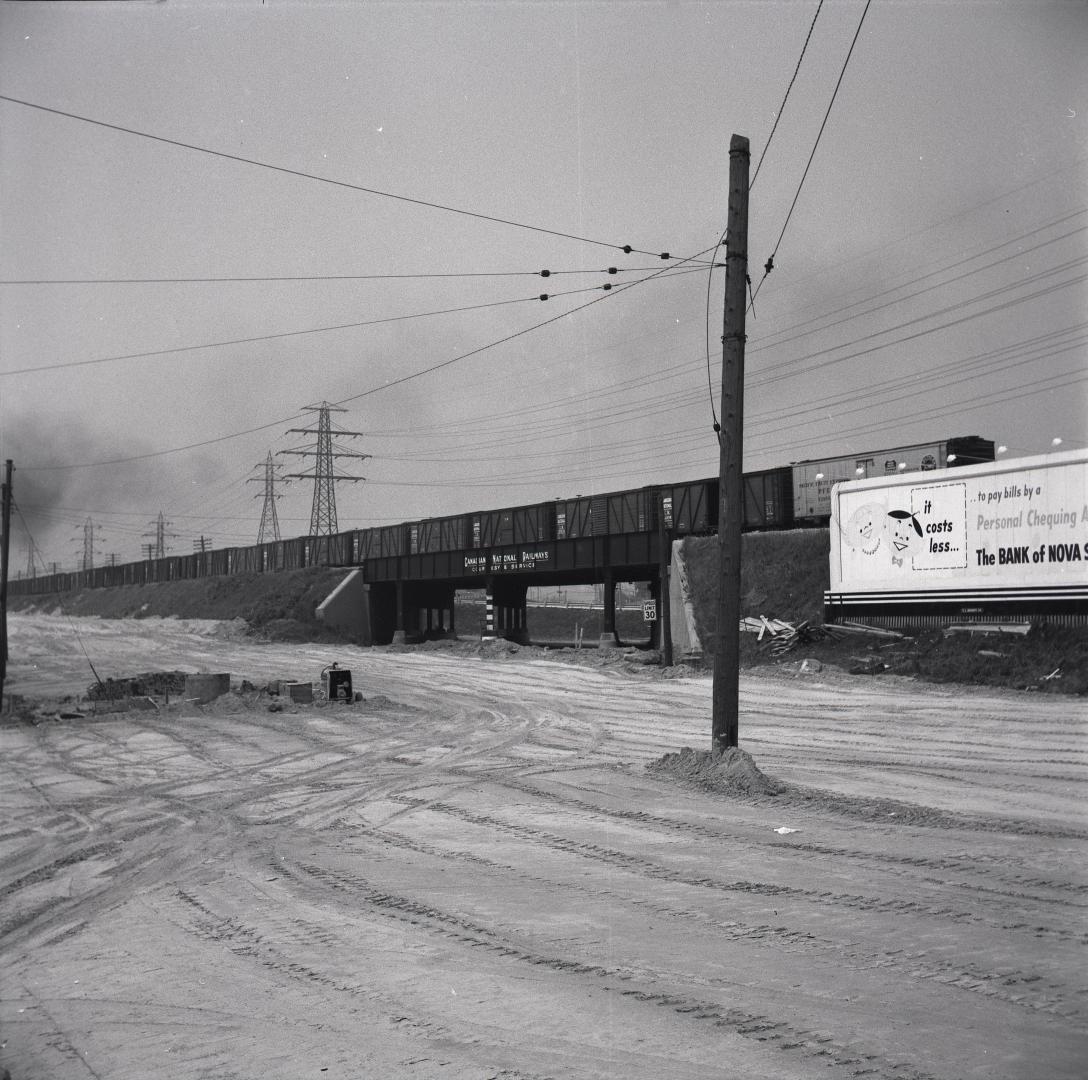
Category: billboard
[1013,533]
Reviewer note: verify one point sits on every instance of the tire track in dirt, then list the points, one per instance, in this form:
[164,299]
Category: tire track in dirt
[891,861]
[641,866]
[796,1042]
[1007,984]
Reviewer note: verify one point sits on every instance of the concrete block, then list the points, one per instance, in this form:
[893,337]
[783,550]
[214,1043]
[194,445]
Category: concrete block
[302,693]
[205,688]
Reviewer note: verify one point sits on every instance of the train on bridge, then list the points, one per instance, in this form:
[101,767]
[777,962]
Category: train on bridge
[791,496]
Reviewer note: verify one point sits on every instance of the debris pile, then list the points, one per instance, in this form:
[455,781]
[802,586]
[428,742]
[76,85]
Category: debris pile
[150,684]
[782,637]
[732,772]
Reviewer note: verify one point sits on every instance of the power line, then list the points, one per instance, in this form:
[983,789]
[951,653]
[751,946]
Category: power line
[502,341]
[1019,253]
[782,107]
[611,270]
[673,270]
[751,184]
[1005,305]
[625,248]
[770,261]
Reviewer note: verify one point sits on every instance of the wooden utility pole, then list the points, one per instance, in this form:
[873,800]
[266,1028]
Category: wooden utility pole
[725,726]
[5,523]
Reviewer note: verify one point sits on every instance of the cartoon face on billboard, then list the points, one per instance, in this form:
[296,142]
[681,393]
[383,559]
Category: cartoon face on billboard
[904,535]
[864,529]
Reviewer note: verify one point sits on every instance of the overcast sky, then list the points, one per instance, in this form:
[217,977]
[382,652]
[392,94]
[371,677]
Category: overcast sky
[930,282]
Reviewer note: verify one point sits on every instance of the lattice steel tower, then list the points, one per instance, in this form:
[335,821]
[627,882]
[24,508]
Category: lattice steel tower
[160,535]
[270,522]
[324,476]
[87,562]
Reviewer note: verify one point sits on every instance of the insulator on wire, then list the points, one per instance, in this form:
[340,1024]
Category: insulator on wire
[606,286]
[626,249]
[613,270]
[665,255]
[545,273]
[543,296]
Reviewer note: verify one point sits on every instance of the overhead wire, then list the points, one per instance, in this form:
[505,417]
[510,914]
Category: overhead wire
[387,385]
[769,265]
[610,270]
[775,339]
[766,378]
[148,354]
[751,184]
[625,248]
[668,371]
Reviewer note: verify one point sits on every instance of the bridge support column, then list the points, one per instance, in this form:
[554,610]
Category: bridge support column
[609,640]
[489,633]
[515,611]
[505,611]
[399,636]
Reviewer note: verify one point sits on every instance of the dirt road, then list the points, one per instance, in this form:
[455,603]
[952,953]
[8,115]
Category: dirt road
[471,874]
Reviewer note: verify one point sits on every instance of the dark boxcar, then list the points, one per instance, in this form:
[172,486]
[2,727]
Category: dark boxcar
[625,512]
[573,518]
[768,499]
[339,549]
[391,541]
[690,508]
[969,450]
[533,524]
[381,542]
[366,544]
[491,528]
[436,534]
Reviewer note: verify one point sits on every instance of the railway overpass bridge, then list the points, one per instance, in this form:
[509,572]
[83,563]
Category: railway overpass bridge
[409,596]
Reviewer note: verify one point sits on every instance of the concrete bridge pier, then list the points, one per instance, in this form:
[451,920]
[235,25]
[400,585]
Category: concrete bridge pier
[506,611]
[440,612]
[400,634]
[609,639]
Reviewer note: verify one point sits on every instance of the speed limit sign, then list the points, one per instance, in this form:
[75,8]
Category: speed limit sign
[649,611]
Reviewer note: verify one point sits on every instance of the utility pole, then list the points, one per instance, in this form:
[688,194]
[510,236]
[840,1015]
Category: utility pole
[323,513]
[5,524]
[269,530]
[201,546]
[725,724]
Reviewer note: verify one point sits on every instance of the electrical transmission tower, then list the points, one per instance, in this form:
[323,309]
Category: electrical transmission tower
[324,476]
[270,522]
[160,535]
[87,562]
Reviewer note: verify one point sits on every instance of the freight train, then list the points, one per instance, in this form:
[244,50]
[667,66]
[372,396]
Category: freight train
[791,496]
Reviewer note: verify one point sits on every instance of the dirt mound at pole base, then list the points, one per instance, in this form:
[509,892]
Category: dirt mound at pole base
[732,772]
